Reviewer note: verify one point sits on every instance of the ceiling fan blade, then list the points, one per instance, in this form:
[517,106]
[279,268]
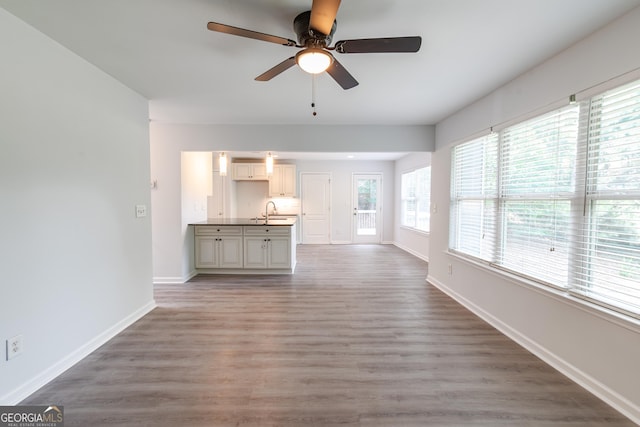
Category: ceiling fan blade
[380,45]
[341,75]
[323,13]
[228,29]
[271,73]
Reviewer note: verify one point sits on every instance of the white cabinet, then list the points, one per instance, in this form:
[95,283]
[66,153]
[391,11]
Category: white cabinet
[252,249]
[283,181]
[268,247]
[218,247]
[249,171]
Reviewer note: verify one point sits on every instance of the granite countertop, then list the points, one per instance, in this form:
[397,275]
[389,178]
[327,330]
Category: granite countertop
[248,221]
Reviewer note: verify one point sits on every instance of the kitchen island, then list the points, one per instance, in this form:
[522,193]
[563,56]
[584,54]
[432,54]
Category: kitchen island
[245,246]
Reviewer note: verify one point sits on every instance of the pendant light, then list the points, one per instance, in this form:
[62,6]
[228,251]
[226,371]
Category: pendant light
[269,163]
[222,161]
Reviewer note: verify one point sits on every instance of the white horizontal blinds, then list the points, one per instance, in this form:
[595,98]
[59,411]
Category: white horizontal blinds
[474,197]
[408,196]
[537,187]
[609,260]
[423,184]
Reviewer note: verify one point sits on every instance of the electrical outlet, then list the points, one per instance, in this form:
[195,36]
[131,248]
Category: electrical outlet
[14,347]
[141,211]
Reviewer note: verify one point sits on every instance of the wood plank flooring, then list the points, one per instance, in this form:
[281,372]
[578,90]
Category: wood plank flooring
[355,338]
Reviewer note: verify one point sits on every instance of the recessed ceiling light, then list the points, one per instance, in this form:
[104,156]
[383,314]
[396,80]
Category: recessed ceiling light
[350,156]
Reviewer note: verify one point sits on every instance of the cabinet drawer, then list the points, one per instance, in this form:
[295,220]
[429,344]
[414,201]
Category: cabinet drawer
[265,230]
[217,230]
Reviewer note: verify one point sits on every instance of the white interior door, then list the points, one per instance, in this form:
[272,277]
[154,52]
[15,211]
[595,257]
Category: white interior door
[367,208]
[316,210]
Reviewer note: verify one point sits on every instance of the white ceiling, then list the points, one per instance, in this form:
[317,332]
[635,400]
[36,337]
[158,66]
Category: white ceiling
[162,49]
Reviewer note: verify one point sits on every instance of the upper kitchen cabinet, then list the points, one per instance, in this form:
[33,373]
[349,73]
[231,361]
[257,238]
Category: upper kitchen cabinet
[249,171]
[283,181]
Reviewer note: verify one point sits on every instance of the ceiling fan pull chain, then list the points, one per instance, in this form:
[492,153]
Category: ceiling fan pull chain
[313,94]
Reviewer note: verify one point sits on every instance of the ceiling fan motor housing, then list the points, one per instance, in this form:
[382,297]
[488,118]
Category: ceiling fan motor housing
[306,36]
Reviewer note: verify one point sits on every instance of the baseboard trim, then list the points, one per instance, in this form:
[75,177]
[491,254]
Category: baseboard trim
[16,396]
[174,280]
[341,242]
[411,251]
[168,280]
[611,397]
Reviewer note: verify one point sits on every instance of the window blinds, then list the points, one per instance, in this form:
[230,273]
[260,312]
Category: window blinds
[537,186]
[416,198]
[557,199]
[423,183]
[608,264]
[474,195]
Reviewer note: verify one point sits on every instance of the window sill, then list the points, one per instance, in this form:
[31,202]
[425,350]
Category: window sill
[626,321]
[415,230]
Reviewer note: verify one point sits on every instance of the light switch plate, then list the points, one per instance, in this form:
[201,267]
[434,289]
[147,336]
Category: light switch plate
[141,211]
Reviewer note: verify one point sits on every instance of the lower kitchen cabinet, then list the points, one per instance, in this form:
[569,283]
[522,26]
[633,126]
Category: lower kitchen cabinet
[255,249]
[267,252]
[219,247]
[267,247]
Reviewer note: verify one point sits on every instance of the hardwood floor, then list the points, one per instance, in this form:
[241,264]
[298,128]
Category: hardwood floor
[355,338]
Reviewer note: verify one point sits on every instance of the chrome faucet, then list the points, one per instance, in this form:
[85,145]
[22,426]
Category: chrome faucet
[266,209]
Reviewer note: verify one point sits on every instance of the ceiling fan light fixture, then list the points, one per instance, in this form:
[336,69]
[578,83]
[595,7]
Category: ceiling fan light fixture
[314,60]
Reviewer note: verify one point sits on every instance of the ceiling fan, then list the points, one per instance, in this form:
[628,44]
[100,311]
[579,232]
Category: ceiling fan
[315,29]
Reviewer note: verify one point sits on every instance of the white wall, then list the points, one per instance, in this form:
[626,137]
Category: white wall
[74,162]
[251,198]
[595,348]
[412,241]
[196,182]
[168,141]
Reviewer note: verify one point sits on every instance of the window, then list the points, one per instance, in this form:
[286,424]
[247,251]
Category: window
[474,197]
[415,199]
[537,165]
[608,262]
[557,199]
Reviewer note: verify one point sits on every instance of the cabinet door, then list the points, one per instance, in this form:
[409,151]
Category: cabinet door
[230,252]
[250,171]
[259,171]
[242,170]
[255,252]
[206,252]
[283,181]
[275,182]
[288,180]
[279,252]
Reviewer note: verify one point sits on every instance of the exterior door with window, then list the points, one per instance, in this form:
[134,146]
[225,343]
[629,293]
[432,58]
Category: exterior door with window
[367,208]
